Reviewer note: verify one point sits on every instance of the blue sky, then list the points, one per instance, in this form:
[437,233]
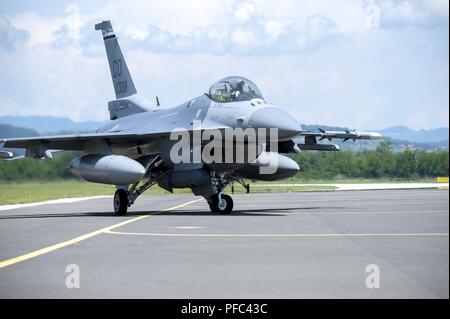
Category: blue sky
[357,63]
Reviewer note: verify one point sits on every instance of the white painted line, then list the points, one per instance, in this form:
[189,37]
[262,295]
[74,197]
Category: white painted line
[363,186]
[110,231]
[188,227]
[54,201]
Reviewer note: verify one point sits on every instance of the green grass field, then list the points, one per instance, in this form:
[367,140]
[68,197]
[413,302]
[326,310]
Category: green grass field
[36,191]
[15,193]
[28,192]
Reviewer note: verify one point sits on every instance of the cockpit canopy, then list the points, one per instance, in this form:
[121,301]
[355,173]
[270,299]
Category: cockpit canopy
[234,89]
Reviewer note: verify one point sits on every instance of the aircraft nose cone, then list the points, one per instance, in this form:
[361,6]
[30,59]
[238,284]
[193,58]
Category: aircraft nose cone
[273,117]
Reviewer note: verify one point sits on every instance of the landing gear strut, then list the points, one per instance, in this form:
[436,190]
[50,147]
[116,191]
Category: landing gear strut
[125,197]
[120,202]
[221,204]
[243,183]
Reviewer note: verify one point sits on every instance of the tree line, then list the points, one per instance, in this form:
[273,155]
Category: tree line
[382,162]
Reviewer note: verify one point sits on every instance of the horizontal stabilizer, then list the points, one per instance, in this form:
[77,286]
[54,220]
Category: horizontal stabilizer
[124,107]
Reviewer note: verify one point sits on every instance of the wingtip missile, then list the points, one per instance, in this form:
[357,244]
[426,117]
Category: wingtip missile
[6,155]
[373,135]
[348,135]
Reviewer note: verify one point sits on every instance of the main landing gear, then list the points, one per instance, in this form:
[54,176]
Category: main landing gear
[120,202]
[125,196]
[221,204]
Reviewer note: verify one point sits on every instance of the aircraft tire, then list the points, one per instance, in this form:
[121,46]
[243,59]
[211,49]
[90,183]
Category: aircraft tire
[120,202]
[223,209]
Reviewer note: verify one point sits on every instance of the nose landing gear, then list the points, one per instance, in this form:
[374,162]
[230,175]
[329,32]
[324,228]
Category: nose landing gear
[221,204]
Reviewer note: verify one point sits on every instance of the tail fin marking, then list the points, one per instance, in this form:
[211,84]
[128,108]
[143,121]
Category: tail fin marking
[122,81]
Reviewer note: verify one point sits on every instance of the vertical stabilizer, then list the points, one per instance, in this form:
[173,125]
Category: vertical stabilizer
[122,82]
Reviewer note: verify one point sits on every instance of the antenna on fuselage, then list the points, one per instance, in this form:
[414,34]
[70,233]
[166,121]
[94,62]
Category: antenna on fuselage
[157,101]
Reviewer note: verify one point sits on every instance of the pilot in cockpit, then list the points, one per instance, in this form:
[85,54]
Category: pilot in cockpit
[234,89]
[237,88]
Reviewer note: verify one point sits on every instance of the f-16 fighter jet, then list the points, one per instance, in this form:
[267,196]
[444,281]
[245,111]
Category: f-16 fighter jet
[226,135]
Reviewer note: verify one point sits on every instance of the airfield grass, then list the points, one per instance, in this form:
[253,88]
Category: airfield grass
[36,191]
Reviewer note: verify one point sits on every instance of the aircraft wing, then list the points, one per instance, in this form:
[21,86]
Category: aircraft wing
[65,142]
[43,146]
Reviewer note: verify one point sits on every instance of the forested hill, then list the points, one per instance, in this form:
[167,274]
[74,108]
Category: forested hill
[7,130]
[49,124]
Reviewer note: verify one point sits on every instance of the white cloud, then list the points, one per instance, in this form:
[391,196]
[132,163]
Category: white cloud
[316,58]
[246,32]
[244,11]
[48,81]
[10,36]
[407,13]
[437,7]
[277,27]
[175,16]
[40,28]
[137,32]
[73,21]
[244,40]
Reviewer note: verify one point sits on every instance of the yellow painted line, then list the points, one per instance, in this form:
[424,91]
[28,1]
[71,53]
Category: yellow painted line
[277,235]
[63,244]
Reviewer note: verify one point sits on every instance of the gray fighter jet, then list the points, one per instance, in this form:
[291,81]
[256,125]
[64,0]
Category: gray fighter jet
[135,150]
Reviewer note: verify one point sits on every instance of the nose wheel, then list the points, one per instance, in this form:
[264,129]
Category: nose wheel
[221,204]
[120,202]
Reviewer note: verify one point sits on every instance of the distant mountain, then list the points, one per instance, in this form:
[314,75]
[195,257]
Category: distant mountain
[7,130]
[400,132]
[49,124]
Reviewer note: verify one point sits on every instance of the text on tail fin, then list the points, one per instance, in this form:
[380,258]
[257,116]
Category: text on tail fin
[122,82]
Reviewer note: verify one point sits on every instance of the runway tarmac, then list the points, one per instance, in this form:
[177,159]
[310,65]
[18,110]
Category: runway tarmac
[275,245]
